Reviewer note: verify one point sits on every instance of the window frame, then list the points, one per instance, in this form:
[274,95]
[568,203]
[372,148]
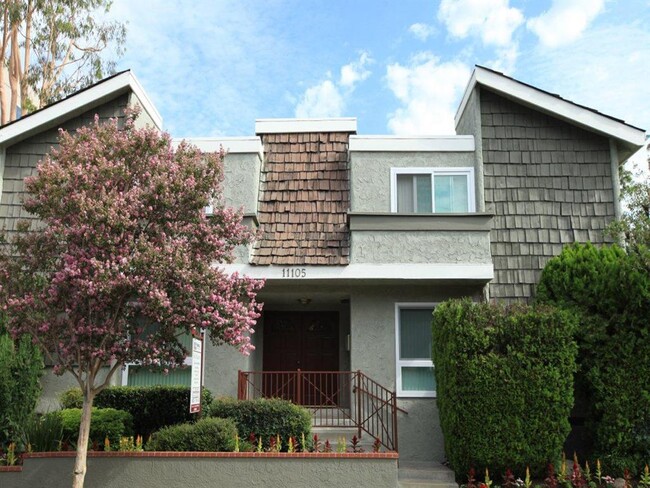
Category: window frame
[414,363]
[432,172]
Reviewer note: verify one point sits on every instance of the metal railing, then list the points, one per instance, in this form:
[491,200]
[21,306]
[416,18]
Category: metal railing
[335,399]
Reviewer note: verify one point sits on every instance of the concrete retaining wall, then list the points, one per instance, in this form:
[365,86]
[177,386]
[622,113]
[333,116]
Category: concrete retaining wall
[198,470]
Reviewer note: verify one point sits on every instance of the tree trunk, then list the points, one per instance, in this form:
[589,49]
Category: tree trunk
[79,473]
[14,71]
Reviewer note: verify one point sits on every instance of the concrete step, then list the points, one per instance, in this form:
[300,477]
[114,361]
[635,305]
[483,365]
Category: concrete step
[425,475]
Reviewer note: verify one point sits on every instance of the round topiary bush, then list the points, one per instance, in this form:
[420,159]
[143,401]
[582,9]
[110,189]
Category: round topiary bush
[210,434]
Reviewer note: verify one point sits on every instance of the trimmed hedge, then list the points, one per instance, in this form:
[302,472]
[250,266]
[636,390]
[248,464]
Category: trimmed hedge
[211,434]
[504,384]
[152,407]
[609,290]
[264,418]
[104,422]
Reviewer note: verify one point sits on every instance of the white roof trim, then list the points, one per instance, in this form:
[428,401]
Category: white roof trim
[232,145]
[286,126]
[77,104]
[393,271]
[552,105]
[412,144]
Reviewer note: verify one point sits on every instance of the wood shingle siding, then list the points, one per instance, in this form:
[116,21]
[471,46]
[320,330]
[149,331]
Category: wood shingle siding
[304,200]
[547,182]
[23,157]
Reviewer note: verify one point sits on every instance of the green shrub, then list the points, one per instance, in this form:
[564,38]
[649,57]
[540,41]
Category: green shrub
[44,433]
[104,422]
[152,407]
[504,384]
[264,418]
[609,290]
[72,398]
[210,434]
[21,366]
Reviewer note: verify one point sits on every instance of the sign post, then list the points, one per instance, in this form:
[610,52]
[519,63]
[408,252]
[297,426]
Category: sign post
[197,374]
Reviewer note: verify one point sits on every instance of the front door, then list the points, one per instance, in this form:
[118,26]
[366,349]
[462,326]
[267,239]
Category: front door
[306,341]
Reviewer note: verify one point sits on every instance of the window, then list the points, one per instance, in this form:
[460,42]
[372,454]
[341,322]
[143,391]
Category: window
[136,375]
[432,190]
[415,370]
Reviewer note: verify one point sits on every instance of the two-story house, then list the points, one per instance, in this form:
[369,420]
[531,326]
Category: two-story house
[361,236]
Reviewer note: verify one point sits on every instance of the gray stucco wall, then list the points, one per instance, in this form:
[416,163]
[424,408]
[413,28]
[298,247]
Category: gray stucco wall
[241,181]
[221,366]
[372,311]
[22,158]
[420,247]
[53,385]
[549,184]
[145,472]
[469,123]
[370,174]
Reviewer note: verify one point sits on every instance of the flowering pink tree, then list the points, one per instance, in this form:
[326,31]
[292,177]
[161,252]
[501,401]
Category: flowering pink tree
[127,259]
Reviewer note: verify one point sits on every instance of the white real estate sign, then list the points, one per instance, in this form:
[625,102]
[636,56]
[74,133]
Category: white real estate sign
[197,364]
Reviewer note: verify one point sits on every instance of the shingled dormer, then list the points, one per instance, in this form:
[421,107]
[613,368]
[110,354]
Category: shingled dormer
[304,192]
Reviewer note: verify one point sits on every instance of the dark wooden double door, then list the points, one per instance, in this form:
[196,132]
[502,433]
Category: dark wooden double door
[305,341]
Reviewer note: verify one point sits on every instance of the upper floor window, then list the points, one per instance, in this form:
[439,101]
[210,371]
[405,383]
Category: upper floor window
[432,190]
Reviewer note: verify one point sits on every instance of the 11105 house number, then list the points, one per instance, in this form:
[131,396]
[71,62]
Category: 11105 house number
[294,272]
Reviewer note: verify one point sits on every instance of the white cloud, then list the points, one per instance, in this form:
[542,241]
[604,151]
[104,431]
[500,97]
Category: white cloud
[422,31]
[429,91]
[355,71]
[598,71]
[493,20]
[506,59]
[321,100]
[565,21]
[328,98]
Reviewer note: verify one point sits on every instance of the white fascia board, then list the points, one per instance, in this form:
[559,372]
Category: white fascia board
[393,271]
[286,126]
[552,105]
[146,101]
[232,145]
[412,144]
[75,105]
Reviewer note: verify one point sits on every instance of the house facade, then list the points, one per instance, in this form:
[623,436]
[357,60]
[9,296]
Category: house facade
[361,236]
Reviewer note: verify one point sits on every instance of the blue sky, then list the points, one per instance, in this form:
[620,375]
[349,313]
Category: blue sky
[213,67]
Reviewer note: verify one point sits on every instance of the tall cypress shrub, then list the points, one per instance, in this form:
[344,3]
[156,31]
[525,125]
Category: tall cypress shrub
[609,290]
[21,366]
[504,384]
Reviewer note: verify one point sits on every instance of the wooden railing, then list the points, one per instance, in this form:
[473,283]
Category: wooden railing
[335,399]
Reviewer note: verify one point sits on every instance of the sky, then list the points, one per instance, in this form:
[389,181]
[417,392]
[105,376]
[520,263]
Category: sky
[212,67]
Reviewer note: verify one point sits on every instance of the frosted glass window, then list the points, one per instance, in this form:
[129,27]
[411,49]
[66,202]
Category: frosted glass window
[415,333]
[418,379]
[415,369]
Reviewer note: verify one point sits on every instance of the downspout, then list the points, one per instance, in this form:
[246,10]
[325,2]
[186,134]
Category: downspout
[616,180]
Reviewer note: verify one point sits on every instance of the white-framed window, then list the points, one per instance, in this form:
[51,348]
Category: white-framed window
[415,370]
[432,190]
[134,374]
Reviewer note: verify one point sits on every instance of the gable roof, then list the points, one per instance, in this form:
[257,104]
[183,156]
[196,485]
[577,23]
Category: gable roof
[77,103]
[629,136]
